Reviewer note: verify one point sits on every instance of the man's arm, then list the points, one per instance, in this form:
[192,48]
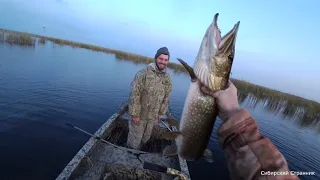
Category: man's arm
[165,102]
[135,94]
[249,154]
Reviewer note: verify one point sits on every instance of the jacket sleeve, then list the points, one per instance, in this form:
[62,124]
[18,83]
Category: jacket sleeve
[134,107]
[249,154]
[165,103]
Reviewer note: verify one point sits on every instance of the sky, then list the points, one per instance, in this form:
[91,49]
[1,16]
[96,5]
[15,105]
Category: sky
[276,44]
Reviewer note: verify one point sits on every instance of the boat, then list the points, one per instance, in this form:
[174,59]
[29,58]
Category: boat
[105,156]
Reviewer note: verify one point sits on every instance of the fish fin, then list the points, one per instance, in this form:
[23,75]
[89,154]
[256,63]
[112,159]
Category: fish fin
[170,150]
[170,135]
[189,69]
[173,122]
[208,156]
[202,69]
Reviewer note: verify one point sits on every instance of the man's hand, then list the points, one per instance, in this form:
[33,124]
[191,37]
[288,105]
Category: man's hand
[227,100]
[159,117]
[136,120]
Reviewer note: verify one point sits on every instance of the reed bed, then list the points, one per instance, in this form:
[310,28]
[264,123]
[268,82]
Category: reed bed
[16,38]
[275,99]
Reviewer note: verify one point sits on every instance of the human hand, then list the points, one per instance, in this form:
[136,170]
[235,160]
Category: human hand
[227,100]
[159,117]
[136,120]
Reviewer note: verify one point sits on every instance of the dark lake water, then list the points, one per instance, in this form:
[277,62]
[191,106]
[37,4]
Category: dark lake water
[43,88]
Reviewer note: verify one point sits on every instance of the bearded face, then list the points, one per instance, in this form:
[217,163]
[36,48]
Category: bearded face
[162,61]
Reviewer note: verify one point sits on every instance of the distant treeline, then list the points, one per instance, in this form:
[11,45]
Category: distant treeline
[274,100]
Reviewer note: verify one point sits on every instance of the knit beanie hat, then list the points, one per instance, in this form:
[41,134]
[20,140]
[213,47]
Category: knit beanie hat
[163,50]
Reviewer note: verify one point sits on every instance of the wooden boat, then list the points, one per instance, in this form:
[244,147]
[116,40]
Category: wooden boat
[98,160]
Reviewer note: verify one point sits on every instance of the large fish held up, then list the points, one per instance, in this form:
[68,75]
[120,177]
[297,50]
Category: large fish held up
[212,69]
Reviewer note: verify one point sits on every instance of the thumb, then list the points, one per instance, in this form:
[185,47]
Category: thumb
[216,94]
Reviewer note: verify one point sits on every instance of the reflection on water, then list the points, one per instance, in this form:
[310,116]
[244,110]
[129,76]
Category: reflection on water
[43,88]
[306,111]
[298,114]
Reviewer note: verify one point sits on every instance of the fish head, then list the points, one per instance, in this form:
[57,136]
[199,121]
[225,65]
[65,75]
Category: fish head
[215,57]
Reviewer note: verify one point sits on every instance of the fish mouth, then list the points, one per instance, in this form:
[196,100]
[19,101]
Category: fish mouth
[225,43]
[228,41]
[214,44]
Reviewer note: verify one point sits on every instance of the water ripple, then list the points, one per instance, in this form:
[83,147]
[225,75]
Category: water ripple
[39,94]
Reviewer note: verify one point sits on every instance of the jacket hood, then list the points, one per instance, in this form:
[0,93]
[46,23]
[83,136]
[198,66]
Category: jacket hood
[153,65]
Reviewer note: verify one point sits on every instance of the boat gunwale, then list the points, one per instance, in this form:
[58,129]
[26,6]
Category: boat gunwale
[73,164]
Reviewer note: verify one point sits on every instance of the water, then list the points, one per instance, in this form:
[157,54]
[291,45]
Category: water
[43,88]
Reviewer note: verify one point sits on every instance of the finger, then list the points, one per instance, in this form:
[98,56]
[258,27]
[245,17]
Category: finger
[206,90]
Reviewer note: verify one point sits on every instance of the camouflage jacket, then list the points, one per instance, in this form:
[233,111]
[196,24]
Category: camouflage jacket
[150,91]
[249,154]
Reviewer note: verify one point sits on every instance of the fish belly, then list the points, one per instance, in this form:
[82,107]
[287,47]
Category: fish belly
[196,124]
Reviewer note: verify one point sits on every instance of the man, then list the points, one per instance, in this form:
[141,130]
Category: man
[149,98]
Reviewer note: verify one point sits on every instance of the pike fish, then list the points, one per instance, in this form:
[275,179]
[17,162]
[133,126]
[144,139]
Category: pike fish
[212,69]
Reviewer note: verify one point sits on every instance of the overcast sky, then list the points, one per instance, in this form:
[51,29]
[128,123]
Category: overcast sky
[276,45]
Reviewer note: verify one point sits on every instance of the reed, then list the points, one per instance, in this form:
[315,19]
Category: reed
[42,40]
[2,39]
[21,39]
[275,99]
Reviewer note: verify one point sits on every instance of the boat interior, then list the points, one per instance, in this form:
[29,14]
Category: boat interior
[119,136]
[106,162]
